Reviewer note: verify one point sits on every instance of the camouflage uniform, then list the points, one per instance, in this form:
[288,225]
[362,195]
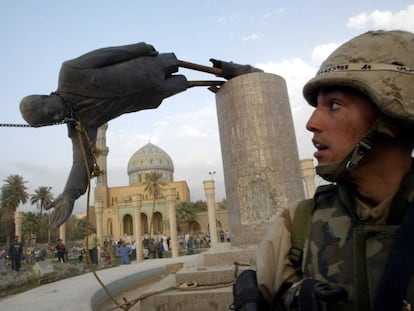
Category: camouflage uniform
[340,233]
[349,242]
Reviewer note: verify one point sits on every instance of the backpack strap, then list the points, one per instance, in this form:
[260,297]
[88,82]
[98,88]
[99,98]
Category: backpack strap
[300,231]
[302,224]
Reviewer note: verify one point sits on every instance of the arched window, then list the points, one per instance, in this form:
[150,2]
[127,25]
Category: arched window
[109,227]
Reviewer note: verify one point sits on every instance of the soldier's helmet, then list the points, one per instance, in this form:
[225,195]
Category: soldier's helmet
[379,64]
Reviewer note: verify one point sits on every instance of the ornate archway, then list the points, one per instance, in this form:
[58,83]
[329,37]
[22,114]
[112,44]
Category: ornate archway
[195,227]
[127,224]
[158,224]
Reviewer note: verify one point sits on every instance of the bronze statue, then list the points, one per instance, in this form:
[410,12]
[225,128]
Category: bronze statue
[100,86]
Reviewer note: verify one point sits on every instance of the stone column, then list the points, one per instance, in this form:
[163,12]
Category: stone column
[260,157]
[137,204]
[308,173]
[99,217]
[18,223]
[62,232]
[101,159]
[171,200]
[211,208]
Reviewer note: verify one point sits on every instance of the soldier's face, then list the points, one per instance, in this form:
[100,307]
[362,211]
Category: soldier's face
[341,118]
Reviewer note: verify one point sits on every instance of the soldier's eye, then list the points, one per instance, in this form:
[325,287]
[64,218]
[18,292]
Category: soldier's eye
[335,105]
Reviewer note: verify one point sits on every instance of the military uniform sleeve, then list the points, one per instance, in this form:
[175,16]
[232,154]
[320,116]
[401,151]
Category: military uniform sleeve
[272,262]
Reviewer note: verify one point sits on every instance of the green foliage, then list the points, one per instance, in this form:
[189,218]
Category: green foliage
[82,225]
[13,192]
[200,206]
[222,204]
[31,224]
[185,212]
[42,197]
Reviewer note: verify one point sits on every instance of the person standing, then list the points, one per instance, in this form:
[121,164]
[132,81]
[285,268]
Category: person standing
[91,244]
[164,241]
[81,253]
[124,251]
[160,248]
[190,246]
[61,250]
[16,253]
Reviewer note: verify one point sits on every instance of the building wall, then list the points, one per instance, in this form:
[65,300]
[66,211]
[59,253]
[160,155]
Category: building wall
[117,204]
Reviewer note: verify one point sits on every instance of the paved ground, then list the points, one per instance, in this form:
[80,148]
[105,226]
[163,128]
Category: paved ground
[80,292]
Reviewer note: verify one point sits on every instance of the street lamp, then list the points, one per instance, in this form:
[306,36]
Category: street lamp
[211,174]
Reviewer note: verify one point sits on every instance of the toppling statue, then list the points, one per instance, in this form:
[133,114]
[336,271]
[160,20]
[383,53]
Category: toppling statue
[100,86]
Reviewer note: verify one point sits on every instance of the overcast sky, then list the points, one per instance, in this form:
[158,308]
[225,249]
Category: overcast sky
[288,38]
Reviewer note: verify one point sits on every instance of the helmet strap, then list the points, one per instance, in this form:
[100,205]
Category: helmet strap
[336,172]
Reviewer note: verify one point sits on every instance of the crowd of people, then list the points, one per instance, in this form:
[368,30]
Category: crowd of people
[100,254]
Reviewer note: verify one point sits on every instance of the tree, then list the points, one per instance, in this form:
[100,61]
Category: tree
[222,204]
[200,206]
[154,186]
[42,197]
[13,192]
[31,225]
[186,213]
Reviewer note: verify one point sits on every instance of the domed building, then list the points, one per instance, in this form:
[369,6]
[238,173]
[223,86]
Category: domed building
[148,159]
[116,207]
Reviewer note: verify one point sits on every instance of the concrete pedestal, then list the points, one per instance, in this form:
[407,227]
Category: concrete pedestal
[260,158]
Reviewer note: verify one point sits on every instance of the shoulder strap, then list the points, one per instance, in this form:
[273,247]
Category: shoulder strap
[302,224]
[300,231]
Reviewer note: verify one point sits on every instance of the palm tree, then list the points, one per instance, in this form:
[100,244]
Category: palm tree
[154,186]
[31,225]
[42,197]
[186,213]
[13,192]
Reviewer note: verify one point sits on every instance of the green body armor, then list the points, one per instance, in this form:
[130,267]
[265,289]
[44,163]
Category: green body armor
[332,245]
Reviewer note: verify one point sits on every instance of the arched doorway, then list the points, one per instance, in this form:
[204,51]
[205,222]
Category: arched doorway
[158,225]
[195,227]
[128,225]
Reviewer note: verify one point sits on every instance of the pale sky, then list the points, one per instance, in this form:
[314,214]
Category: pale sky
[288,38]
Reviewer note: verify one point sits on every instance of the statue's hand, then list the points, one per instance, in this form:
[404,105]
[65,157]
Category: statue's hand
[62,211]
[231,70]
[111,56]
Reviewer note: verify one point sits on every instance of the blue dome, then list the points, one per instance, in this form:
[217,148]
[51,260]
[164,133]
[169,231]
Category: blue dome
[147,159]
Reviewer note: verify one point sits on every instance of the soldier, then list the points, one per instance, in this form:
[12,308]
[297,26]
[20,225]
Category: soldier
[358,253]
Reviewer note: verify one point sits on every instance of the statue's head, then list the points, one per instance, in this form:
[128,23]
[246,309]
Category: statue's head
[40,110]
